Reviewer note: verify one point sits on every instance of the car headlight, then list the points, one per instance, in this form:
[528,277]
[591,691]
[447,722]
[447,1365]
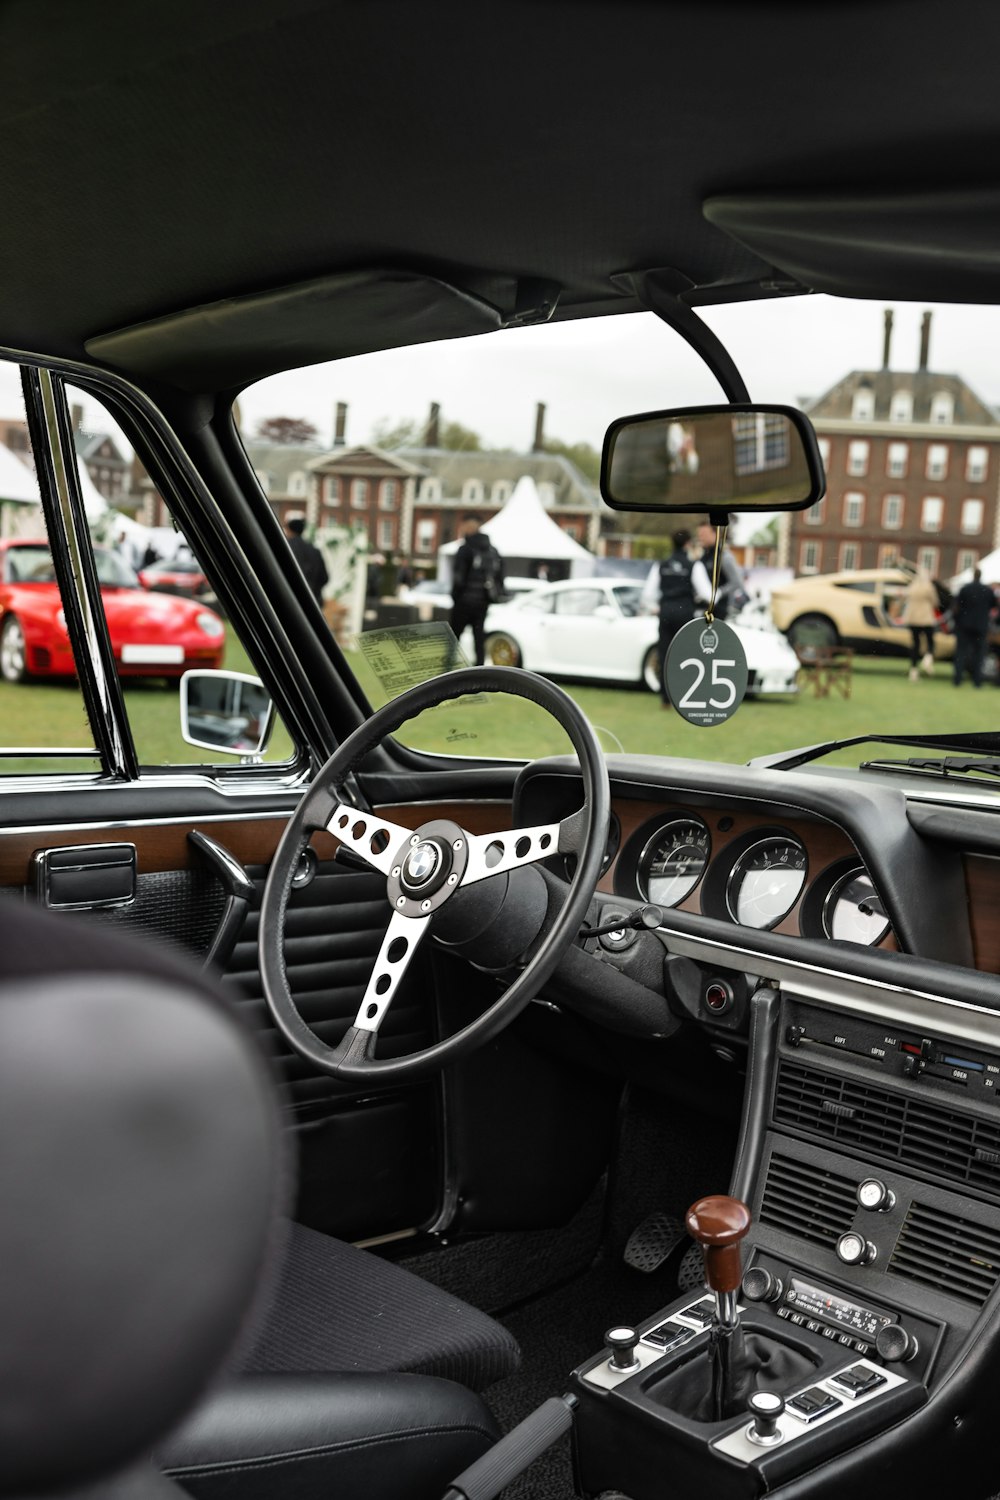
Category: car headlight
[209,624]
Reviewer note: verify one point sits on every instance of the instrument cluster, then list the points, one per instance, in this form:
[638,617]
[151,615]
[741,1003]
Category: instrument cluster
[756,879]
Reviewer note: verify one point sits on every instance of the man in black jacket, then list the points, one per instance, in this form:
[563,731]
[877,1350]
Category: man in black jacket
[308,557]
[974,608]
[477,582]
[669,583]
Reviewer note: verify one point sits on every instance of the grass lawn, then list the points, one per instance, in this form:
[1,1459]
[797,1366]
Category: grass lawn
[883,701]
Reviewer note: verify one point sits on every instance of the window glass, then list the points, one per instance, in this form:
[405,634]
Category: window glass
[854,510]
[857,456]
[976,464]
[972,517]
[41,704]
[897,460]
[579,601]
[931,513]
[937,461]
[901,409]
[162,612]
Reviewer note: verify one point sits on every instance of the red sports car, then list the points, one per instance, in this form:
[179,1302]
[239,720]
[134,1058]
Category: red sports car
[152,634]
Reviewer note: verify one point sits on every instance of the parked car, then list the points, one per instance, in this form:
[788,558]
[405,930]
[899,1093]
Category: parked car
[152,634]
[859,608]
[176,575]
[595,629]
[529,1026]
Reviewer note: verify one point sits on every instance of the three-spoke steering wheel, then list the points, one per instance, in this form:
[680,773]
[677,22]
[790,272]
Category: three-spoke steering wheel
[425,870]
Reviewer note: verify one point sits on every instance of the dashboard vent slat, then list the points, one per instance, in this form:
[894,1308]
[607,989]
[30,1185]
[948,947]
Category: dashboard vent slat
[915,1132]
[948,1252]
[809,1202]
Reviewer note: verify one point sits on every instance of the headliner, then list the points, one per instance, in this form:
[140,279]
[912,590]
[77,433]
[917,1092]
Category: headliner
[161,156]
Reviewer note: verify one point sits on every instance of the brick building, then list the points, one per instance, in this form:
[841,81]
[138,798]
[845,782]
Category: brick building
[913,469]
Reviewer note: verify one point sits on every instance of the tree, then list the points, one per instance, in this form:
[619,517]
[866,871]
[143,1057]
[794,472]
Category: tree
[586,458]
[459,438]
[389,433]
[287,430]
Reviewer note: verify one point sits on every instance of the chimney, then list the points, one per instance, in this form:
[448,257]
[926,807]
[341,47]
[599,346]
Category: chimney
[340,425]
[925,339]
[434,426]
[538,446]
[887,339]
[76,417]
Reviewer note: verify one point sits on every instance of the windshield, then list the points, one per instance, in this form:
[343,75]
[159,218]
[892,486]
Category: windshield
[33,564]
[859,617]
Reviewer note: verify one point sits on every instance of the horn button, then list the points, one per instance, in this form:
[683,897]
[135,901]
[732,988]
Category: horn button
[427,868]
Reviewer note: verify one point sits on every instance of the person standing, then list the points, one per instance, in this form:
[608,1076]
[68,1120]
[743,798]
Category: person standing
[477,582]
[731,594]
[974,608]
[668,586]
[920,612]
[308,557]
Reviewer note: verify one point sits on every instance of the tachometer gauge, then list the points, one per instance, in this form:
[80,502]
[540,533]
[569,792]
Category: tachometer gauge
[673,861]
[853,910]
[766,881]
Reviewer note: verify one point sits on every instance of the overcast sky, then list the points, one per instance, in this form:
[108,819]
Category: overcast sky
[592,371]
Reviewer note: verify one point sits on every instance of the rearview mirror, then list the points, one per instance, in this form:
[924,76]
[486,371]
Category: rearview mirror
[227,711]
[713,458]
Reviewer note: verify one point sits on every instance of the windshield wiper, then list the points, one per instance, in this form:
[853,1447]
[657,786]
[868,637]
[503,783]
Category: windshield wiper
[944,765]
[787,760]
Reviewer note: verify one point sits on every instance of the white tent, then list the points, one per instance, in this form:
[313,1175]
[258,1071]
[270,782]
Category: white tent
[525,531]
[19,485]
[989,566]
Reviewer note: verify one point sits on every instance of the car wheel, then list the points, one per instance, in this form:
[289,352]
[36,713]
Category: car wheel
[13,655]
[812,631]
[502,650]
[650,674]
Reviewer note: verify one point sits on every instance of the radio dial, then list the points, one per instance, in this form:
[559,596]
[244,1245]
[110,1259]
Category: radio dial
[875,1196]
[761,1286]
[895,1345]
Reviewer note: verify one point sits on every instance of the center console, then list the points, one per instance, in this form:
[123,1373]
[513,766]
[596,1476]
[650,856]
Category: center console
[867,1300]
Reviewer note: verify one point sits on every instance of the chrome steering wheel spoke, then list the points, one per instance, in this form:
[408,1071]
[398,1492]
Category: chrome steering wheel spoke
[376,840]
[401,941]
[493,853]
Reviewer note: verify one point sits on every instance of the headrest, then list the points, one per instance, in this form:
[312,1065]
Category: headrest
[140,1184]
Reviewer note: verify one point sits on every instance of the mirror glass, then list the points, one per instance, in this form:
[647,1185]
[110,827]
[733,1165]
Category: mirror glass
[712,458]
[228,711]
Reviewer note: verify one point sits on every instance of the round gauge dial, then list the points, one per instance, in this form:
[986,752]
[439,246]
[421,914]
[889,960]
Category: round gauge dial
[766,881]
[673,861]
[853,910]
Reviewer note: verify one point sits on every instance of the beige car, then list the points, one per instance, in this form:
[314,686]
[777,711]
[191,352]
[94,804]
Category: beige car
[858,609]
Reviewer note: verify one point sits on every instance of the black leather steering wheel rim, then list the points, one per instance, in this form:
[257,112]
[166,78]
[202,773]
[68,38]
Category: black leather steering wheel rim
[586,834]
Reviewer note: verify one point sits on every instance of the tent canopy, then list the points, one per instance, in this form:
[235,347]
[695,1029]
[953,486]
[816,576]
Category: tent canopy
[524,530]
[989,566]
[19,485]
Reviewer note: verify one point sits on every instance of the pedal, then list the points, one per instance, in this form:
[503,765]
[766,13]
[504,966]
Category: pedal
[691,1272]
[652,1242]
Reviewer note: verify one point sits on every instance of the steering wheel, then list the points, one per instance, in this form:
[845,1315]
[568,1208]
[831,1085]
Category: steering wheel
[425,870]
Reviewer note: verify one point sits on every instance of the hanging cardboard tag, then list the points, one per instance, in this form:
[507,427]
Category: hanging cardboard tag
[706,669]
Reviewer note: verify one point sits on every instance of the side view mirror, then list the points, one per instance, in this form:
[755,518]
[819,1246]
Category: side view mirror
[227,711]
[713,459]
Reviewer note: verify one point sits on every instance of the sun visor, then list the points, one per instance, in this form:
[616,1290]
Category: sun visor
[229,344]
[926,246]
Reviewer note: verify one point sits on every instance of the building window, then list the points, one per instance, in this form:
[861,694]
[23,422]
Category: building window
[863,405]
[888,555]
[760,442]
[388,491]
[931,514]
[359,494]
[816,512]
[297,483]
[848,556]
[937,461]
[824,451]
[430,489]
[472,492]
[892,512]
[967,559]
[897,460]
[901,407]
[927,558]
[942,407]
[332,490]
[854,508]
[810,554]
[501,491]
[857,457]
[972,517]
[547,494]
[426,536]
[386,539]
[976,463]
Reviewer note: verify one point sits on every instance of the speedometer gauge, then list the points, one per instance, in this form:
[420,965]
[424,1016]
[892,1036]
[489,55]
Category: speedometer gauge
[673,861]
[766,881]
[853,910]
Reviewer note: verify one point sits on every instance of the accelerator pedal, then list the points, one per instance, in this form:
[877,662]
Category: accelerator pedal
[653,1241]
[691,1271]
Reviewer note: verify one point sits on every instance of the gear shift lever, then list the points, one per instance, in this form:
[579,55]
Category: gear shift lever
[718,1224]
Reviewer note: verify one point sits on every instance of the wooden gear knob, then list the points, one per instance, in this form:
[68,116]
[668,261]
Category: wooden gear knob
[718,1224]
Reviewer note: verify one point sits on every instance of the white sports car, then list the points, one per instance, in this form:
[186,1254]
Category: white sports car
[595,628]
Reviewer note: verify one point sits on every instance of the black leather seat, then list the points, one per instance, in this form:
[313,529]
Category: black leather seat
[143,1188]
